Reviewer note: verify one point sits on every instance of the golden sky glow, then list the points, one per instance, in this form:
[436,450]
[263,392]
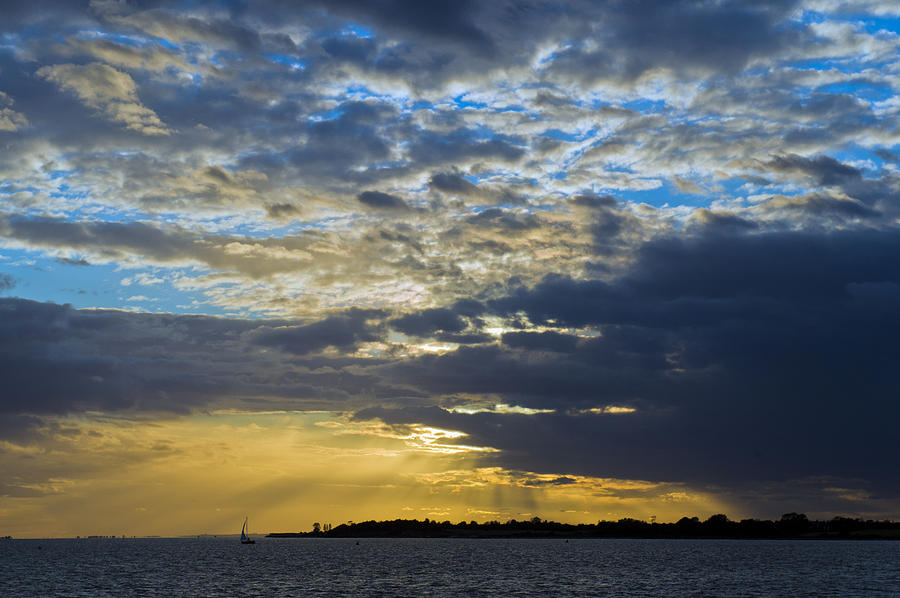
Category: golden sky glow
[203,474]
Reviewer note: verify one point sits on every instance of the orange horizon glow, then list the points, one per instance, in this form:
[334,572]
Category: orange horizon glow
[203,474]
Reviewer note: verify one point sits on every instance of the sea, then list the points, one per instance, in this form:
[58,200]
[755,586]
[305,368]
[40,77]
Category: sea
[448,567]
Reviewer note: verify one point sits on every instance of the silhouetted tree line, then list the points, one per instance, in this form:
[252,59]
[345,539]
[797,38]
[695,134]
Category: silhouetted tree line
[790,525]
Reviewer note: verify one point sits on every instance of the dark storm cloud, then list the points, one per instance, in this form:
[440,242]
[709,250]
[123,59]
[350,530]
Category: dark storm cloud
[748,358]
[381,201]
[626,43]
[19,14]
[20,429]
[673,276]
[451,183]
[594,201]
[344,332]
[715,37]
[337,144]
[541,341]
[428,322]
[132,236]
[354,50]
[825,169]
[612,227]
[721,222]
[57,360]
[449,20]
[461,145]
[548,380]
[468,307]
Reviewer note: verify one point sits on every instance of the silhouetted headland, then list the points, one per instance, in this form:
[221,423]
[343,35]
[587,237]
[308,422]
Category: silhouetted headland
[790,525]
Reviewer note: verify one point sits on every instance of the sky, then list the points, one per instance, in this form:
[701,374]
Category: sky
[350,260]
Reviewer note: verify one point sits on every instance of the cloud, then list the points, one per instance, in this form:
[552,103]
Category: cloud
[451,183]
[736,352]
[151,57]
[723,222]
[282,211]
[824,169]
[109,91]
[343,332]
[714,360]
[163,245]
[10,120]
[820,208]
[204,27]
[71,262]
[461,146]
[442,20]
[381,201]
[7,282]
[503,219]
[428,322]
[537,341]
[131,363]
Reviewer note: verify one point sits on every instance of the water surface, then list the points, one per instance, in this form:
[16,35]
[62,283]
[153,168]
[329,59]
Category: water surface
[448,567]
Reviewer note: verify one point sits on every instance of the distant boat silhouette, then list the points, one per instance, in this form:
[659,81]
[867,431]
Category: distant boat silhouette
[244,538]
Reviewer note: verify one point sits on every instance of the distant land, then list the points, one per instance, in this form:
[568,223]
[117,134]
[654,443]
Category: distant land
[790,525]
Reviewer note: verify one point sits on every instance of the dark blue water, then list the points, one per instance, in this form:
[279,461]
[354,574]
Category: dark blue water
[448,567]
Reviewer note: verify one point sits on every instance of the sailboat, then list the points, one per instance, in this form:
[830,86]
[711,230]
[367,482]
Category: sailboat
[244,538]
